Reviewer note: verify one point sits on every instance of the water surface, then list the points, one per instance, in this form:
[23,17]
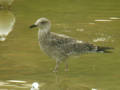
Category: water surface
[92,21]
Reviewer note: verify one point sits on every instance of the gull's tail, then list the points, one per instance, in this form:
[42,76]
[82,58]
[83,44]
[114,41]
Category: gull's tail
[104,49]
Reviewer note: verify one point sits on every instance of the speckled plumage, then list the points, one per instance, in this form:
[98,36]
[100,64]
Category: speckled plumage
[60,46]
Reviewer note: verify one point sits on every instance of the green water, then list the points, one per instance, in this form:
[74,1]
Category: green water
[22,59]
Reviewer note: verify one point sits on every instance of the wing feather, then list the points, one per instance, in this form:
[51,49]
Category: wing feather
[70,45]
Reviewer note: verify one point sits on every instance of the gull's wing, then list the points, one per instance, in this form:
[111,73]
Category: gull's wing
[61,39]
[70,45]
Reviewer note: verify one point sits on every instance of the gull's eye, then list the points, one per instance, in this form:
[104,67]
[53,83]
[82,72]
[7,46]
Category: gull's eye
[43,22]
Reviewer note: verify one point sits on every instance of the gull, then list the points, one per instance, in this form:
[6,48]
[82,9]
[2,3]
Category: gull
[59,46]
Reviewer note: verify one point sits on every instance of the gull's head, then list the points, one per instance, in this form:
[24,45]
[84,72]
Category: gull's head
[42,23]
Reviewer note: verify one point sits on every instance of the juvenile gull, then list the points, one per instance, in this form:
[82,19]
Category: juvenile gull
[59,46]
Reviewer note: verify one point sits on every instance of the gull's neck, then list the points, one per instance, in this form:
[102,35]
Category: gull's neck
[43,33]
[44,30]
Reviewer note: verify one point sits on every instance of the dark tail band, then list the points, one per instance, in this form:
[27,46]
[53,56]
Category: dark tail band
[104,49]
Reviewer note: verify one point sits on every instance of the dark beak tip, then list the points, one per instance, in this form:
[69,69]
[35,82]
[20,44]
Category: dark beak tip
[32,26]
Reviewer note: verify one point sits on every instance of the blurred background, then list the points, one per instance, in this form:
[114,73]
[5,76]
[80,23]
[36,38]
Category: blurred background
[22,62]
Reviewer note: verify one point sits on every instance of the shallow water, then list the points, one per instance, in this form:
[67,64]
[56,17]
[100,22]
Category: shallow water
[22,62]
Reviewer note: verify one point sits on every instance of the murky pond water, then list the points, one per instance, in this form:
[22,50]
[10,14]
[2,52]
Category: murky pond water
[22,62]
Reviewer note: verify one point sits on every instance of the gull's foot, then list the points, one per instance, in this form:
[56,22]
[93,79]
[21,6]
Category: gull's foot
[66,70]
[55,71]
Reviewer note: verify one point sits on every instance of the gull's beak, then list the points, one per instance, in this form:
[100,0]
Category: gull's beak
[32,26]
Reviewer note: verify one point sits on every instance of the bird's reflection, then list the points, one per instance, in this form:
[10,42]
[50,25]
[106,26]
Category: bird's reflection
[64,82]
[7,21]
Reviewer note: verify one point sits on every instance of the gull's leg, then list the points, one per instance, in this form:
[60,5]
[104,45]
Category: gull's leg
[57,65]
[66,66]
